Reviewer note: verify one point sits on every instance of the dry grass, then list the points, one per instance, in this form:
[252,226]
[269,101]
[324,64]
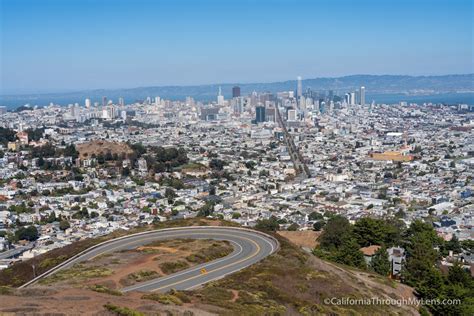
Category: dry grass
[293,282]
[101,147]
[22,272]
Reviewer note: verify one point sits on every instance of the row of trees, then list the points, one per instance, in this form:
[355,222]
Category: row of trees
[341,241]
[7,135]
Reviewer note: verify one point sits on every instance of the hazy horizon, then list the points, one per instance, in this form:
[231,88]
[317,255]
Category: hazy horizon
[72,90]
[53,45]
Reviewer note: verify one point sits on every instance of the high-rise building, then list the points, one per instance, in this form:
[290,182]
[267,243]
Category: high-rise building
[236,92]
[87,103]
[330,95]
[220,97]
[104,101]
[353,98]
[157,100]
[260,114]
[347,98]
[121,101]
[292,115]
[299,88]
[362,95]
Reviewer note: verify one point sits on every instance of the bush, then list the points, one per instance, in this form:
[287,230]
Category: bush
[172,267]
[167,299]
[103,289]
[122,311]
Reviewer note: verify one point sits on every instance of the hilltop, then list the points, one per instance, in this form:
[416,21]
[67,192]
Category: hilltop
[288,282]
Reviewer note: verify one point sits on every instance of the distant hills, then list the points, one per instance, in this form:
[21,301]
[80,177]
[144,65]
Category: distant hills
[375,85]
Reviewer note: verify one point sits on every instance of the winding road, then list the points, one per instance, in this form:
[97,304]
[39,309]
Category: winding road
[250,246]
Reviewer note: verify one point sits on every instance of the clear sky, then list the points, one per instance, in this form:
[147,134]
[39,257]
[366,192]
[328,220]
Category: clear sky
[59,45]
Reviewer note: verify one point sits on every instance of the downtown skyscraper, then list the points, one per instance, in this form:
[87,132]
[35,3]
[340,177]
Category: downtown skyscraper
[362,95]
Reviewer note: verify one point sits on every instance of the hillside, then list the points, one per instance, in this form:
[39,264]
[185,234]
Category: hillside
[288,282]
[375,84]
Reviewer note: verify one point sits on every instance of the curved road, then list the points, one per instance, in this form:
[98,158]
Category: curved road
[249,247]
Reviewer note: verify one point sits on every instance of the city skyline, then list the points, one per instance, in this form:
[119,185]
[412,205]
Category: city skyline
[53,46]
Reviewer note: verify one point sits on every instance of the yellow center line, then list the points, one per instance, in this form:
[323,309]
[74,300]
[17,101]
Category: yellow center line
[187,234]
[167,237]
[210,271]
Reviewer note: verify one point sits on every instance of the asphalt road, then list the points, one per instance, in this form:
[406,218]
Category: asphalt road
[14,252]
[249,247]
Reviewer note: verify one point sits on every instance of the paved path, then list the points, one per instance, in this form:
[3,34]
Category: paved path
[249,247]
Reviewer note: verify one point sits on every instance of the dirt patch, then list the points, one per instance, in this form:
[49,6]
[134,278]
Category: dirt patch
[293,282]
[22,272]
[288,282]
[78,301]
[157,249]
[305,238]
[125,268]
[101,147]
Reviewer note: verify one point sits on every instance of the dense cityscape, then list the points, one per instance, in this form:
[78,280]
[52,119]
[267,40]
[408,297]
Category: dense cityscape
[290,161]
[239,157]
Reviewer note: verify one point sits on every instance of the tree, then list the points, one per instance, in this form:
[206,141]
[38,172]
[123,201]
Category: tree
[212,190]
[348,253]
[293,227]
[70,151]
[207,209]
[236,215]
[380,262]
[64,224]
[52,217]
[270,224]
[453,245]
[369,231]
[315,216]
[317,226]
[419,227]
[421,259]
[216,164]
[125,172]
[29,233]
[337,229]
[458,275]
[170,195]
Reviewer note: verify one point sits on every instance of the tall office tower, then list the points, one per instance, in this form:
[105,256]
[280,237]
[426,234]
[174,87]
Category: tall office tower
[362,95]
[353,98]
[316,106]
[236,92]
[302,103]
[157,100]
[72,110]
[88,103]
[347,98]
[104,101]
[260,114]
[220,97]
[121,101]
[299,88]
[292,115]
[331,95]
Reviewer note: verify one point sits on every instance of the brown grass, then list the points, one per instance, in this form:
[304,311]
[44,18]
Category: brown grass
[97,147]
[22,272]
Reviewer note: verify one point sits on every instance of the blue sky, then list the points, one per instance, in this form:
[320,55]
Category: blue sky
[60,45]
